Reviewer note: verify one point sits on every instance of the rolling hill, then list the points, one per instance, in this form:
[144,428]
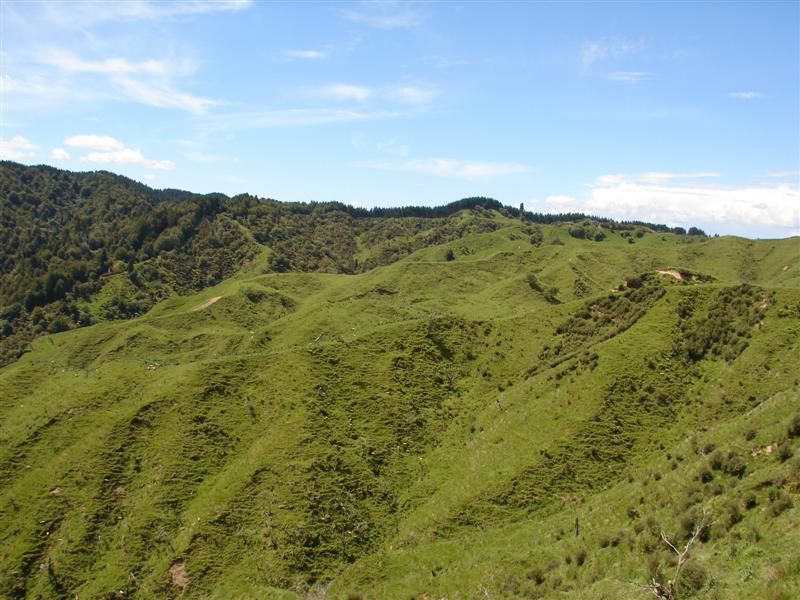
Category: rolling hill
[298,401]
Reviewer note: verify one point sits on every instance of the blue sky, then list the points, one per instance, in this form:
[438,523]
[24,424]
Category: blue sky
[684,113]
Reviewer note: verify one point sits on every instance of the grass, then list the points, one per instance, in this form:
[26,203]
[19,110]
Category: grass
[431,427]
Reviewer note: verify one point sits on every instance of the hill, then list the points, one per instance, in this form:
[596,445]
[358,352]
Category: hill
[467,404]
[86,247]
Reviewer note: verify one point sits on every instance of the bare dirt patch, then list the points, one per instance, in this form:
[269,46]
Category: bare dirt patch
[207,303]
[671,273]
[177,572]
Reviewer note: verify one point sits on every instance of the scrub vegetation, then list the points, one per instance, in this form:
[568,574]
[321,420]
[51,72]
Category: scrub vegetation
[249,399]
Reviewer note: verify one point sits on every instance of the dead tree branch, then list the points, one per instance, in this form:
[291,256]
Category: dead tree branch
[667,591]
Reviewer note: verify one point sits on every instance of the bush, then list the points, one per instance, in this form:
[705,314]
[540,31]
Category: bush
[58,325]
[734,514]
[794,426]
[693,578]
[779,502]
[551,295]
[785,452]
[577,232]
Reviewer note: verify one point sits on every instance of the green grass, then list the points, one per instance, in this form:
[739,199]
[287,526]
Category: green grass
[414,430]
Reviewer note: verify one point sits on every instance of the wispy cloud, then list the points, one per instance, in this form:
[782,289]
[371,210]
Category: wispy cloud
[406,93]
[108,150]
[59,154]
[17,148]
[628,76]
[596,51]
[30,85]
[80,14]
[783,174]
[389,15]
[268,118]
[306,54]
[746,95]
[659,200]
[345,91]
[67,61]
[150,82]
[449,167]
[162,96]
[412,94]
[651,177]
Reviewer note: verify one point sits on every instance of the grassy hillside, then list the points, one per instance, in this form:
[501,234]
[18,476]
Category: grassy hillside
[80,248]
[514,412]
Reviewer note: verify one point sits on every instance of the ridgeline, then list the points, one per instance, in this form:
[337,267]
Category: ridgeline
[213,397]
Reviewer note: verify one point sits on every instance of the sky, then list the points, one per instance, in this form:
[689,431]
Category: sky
[684,113]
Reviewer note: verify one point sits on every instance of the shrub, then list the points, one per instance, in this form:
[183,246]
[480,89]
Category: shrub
[577,232]
[734,514]
[785,452]
[551,295]
[580,556]
[536,574]
[533,282]
[794,426]
[705,475]
[693,578]
[779,502]
[58,325]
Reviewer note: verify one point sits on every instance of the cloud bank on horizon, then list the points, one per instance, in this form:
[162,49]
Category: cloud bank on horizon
[635,112]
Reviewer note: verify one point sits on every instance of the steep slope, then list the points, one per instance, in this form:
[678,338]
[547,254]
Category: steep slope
[432,427]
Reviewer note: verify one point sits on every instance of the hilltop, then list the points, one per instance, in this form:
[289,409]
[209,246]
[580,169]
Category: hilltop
[86,247]
[268,400]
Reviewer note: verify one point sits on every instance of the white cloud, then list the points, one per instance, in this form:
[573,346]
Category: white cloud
[448,167]
[628,76]
[346,91]
[149,82]
[635,199]
[290,117]
[17,148]
[59,154]
[650,177]
[746,95]
[412,94]
[596,51]
[80,14]
[94,142]
[27,86]
[162,96]
[128,156]
[108,150]
[115,66]
[660,176]
[385,16]
[783,174]
[308,54]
